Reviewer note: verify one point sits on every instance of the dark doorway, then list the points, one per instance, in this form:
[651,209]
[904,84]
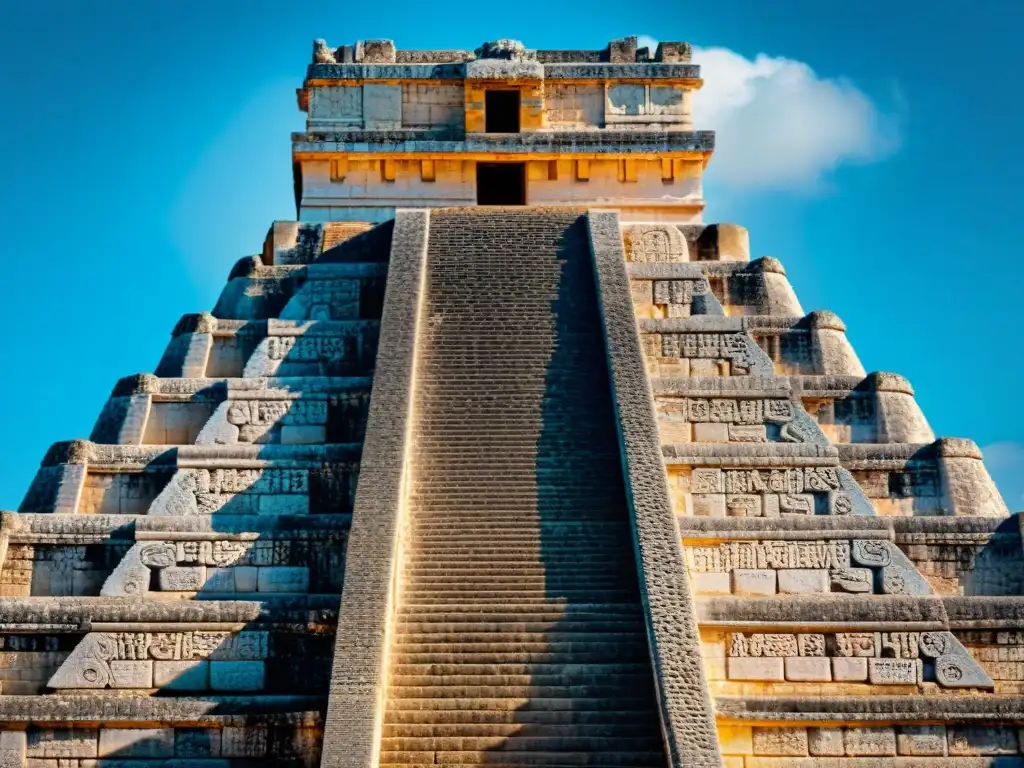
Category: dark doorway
[501,112]
[501,183]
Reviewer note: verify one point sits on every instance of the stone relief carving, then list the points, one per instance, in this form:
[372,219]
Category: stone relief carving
[883,568]
[90,664]
[895,658]
[652,243]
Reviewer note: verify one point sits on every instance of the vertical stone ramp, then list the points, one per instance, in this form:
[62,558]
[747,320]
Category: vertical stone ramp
[520,635]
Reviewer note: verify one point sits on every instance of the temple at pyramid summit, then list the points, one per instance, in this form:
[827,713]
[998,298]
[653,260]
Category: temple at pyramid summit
[499,455]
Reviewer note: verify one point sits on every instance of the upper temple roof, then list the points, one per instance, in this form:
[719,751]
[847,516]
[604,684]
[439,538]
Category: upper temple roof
[622,51]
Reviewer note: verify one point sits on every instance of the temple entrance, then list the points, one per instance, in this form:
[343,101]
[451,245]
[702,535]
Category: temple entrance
[501,183]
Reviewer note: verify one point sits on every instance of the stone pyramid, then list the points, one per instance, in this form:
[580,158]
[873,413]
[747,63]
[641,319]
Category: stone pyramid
[573,482]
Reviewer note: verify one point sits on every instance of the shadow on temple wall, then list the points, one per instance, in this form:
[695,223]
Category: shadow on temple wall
[591,687]
[997,567]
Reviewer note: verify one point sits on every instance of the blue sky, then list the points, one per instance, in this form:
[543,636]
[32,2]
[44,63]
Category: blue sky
[874,148]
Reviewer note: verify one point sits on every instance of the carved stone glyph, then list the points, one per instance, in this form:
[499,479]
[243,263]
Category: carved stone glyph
[89,665]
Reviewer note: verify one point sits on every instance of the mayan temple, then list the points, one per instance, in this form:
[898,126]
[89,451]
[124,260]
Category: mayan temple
[499,455]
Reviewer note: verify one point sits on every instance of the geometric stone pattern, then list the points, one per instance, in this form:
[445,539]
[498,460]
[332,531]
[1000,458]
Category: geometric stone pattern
[623,500]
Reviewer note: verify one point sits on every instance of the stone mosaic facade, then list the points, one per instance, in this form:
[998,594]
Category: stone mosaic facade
[572,483]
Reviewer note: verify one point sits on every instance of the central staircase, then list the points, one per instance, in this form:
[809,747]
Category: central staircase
[519,638]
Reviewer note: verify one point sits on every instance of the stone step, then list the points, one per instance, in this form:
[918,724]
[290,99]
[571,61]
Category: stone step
[506,649]
[642,714]
[469,596]
[522,730]
[522,706]
[647,743]
[407,671]
[513,623]
[410,611]
[614,655]
[531,759]
[449,688]
[459,639]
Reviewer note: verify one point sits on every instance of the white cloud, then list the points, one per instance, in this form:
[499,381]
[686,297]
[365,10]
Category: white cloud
[1005,462]
[778,124]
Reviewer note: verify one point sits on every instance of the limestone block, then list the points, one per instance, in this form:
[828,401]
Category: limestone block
[237,675]
[12,749]
[131,674]
[704,367]
[981,740]
[136,742]
[382,107]
[219,580]
[181,675]
[246,578]
[753,582]
[751,668]
[283,578]
[249,741]
[711,583]
[744,505]
[708,432]
[803,581]
[708,504]
[724,242]
[182,578]
[375,52]
[196,742]
[849,670]
[899,418]
[781,742]
[870,742]
[808,669]
[303,434]
[748,433]
[921,740]
[247,645]
[735,739]
[966,484]
[62,742]
[825,742]
[831,351]
[775,295]
[894,671]
[284,504]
